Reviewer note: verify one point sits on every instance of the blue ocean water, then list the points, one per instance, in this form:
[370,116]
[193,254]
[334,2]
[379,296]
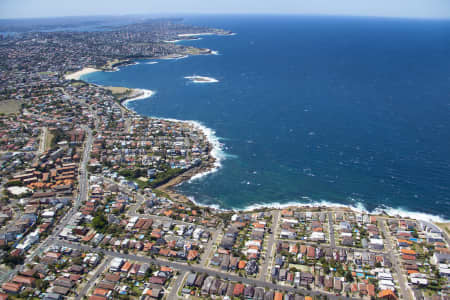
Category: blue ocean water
[354,111]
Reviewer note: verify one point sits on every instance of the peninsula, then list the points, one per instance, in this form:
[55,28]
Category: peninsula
[88,210]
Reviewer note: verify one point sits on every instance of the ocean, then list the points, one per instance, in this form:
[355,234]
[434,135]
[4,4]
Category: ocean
[313,110]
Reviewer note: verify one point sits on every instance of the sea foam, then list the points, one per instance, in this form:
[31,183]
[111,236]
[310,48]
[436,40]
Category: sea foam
[201,79]
[145,94]
[358,208]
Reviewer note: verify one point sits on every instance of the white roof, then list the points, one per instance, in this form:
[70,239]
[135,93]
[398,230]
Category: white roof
[293,221]
[386,282]
[376,241]
[422,281]
[116,262]
[317,235]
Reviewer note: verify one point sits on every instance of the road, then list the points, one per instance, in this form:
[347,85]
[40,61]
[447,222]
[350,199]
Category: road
[210,246]
[331,230]
[270,245]
[176,286]
[81,196]
[200,269]
[43,139]
[132,211]
[353,249]
[394,259]
[90,283]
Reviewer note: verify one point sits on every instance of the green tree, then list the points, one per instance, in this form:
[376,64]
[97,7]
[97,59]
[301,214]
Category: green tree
[348,277]
[100,222]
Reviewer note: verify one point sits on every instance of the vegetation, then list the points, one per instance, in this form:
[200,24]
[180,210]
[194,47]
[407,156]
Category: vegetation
[58,135]
[164,177]
[161,194]
[11,261]
[159,179]
[100,222]
[14,183]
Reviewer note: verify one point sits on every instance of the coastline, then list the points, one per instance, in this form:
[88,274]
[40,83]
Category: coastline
[195,34]
[214,163]
[325,205]
[216,156]
[137,94]
[172,56]
[77,75]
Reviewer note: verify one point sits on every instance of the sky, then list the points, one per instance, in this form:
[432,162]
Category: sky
[434,9]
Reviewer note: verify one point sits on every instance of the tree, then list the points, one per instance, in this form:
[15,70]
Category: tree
[348,277]
[12,261]
[100,222]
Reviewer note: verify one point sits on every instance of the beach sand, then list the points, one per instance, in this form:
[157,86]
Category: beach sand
[77,75]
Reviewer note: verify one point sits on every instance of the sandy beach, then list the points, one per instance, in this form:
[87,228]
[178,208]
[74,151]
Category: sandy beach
[77,75]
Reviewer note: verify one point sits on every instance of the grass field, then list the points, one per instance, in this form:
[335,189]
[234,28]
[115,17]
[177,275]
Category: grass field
[48,141]
[117,90]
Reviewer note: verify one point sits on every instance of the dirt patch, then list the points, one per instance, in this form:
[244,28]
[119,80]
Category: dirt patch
[444,226]
[10,106]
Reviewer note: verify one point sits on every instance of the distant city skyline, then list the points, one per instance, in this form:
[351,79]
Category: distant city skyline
[429,9]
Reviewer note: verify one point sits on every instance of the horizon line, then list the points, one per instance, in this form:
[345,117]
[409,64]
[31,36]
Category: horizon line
[180,14]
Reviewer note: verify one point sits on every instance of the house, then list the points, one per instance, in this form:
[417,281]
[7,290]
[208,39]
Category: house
[387,294]
[28,281]
[190,281]
[207,285]
[199,280]
[102,292]
[376,244]
[252,267]
[157,280]
[13,288]
[249,291]
[126,267]
[192,254]
[317,236]
[440,258]
[154,293]
[287,234]
[95,297]
[52,296]
[238,289]
[282,275]
[143,270]
[225,262]
[116,264]
[278,296]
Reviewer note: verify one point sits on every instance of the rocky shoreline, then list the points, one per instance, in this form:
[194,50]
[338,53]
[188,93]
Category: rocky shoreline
[204,167]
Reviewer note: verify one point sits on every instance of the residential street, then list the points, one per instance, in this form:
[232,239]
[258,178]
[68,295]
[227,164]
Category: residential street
[394,259]
[199,269]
